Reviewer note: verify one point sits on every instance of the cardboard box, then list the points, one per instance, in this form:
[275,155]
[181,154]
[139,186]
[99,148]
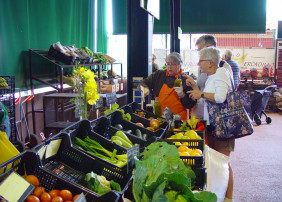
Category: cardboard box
[108,88]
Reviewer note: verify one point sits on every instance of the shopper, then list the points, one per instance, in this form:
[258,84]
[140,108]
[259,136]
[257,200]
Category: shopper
[161,84]
[155,66]
[208,41]
[216,88]
[234,66]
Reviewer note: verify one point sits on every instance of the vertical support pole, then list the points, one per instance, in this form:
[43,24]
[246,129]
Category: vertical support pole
[175,22]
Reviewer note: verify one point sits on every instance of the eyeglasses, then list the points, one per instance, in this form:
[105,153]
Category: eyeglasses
[203,61]
[171,64]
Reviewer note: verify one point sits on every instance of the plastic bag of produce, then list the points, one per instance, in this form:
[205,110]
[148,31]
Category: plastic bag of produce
[7,149]
[217,172]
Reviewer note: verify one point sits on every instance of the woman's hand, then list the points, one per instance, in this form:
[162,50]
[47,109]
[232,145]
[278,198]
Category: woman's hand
[195,94]
[190,82]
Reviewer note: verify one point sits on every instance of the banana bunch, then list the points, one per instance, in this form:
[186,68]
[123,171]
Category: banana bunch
[3,82]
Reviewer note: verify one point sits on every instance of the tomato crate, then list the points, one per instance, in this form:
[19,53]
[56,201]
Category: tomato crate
[71,164]
[83,128]
[116,118]
[193,161]
[29,163]
[133,110]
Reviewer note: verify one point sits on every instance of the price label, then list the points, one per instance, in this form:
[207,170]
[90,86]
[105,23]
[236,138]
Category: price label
[131,153]
[15,188]
[98,105]
[168,114]
[111,98]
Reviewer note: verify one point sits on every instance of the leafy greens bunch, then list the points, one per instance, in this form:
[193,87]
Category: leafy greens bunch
[162,176]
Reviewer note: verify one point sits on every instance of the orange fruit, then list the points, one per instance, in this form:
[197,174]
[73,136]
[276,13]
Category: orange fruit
[66,195]
[184,154]
[32,179]
[182,148]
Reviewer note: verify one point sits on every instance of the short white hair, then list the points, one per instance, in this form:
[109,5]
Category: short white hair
[211,53]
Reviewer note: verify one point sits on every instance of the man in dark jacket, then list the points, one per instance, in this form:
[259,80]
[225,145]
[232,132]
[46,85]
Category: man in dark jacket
[235,67]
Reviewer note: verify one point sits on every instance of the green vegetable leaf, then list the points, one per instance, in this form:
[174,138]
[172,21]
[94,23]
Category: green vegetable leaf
[206,196]
[95,185]
[115,186]
[159,193]
[115,106]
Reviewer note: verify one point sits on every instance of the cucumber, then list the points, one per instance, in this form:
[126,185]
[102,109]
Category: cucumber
[129,131]
[119,126]
[144,136]
[138,133]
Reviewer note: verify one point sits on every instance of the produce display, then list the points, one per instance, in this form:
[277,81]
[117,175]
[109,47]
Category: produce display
[171,181]
[98,150]
[55,195]
[170,166]
[100,184]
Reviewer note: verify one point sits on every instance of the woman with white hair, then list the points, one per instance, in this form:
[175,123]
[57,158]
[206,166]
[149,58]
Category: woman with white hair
[216,88]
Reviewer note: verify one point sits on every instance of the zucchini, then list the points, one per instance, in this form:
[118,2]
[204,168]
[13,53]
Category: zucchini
[144,136]
[119,126]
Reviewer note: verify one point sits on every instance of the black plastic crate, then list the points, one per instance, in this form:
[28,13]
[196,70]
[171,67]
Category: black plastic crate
[133,138]
[201,179]
[103,127]
[116,118]
[169,133]
[82,128]
[29,163]
[193,161]
[72,164]
[133,110]
[7,97]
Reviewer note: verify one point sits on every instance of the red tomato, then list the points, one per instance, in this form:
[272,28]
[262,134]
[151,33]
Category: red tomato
[66,195]
[32,179]
[45,197]
[32,198]
[57,199]
[38,191]
[55,192]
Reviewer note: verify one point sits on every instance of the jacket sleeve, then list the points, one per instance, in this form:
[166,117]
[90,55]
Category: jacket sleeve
[186,101]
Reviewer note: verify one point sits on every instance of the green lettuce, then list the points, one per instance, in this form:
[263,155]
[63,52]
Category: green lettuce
[162,176]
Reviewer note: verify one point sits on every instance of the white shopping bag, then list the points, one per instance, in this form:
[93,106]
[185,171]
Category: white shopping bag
[217,172]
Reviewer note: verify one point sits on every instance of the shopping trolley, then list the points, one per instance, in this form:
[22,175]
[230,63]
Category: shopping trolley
[31,140]
[259,103]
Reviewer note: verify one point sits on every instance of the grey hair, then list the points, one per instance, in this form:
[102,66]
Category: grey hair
[175,57]
[228,54]
[207,40]
[211,53]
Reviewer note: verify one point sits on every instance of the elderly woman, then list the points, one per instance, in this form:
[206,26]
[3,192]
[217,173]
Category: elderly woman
[161,84]
[216,88]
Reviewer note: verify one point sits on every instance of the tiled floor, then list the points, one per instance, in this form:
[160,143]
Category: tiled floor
[257,163]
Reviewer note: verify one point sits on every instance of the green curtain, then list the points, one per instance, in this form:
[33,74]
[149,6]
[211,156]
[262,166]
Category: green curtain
[36,24]
[102,34]
[203,16]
